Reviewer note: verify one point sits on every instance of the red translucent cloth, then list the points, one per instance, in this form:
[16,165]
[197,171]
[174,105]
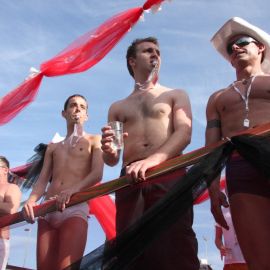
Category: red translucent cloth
[79,56]
[19,98]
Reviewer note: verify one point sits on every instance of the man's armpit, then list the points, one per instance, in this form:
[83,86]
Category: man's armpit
[215,123]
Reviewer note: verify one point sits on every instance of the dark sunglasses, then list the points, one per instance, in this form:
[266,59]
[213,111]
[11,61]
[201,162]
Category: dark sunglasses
[241,42]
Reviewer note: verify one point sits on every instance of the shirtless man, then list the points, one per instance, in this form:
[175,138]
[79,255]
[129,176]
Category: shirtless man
[243,104]
[74,164]
[157,126]
[10,197]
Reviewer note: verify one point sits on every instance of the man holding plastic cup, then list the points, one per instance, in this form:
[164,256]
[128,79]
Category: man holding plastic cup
[157,125]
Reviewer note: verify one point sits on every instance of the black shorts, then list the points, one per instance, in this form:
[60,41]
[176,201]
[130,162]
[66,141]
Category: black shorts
[243,177]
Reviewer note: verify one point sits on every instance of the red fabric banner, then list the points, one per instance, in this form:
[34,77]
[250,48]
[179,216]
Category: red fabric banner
[20,97]
[89,49]
[79,56]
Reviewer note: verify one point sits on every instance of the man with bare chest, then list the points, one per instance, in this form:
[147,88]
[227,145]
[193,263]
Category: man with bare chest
[10,197]
[243,104]
[157,126]
[72,165]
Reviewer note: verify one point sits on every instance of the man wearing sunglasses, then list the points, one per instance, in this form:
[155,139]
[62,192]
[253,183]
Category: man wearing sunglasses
[243,104]
[10,196]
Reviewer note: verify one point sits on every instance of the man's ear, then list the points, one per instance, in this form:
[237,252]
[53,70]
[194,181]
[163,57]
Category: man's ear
[131,61]
[261,47]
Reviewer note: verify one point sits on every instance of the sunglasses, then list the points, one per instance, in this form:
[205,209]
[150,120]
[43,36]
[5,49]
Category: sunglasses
[241,42]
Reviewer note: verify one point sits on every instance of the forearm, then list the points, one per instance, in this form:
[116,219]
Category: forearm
[214,188]
[37,192]
[219,244]
[174,146]
[92,179]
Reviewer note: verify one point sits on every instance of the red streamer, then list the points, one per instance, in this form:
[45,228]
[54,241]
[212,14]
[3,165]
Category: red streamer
[16,100]
[104,210]
[79,56]
[89,49]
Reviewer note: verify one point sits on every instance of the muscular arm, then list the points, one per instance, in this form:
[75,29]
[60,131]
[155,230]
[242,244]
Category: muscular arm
[181,135]
[177,140]
[213,134]
[11,201]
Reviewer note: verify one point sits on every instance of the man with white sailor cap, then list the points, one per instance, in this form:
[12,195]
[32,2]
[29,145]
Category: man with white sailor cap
[243,104]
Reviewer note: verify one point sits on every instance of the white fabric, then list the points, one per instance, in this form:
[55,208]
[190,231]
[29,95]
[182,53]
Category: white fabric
[230,240]
[4,253]
[237,26]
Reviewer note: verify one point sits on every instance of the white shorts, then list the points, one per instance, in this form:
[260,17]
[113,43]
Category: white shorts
[4,253]
[55,219]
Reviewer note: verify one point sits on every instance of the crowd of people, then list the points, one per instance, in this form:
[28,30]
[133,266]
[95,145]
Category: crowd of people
[157,123]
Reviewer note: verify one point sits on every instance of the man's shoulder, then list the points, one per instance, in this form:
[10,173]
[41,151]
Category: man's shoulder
[174,92]
[119,103]
[219,92]
[93,139]
[89,136]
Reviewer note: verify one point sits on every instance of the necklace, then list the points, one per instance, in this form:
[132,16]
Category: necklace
[246,121]
[75,137]
[151,78]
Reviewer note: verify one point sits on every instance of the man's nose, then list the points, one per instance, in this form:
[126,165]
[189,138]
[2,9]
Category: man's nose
[234,47]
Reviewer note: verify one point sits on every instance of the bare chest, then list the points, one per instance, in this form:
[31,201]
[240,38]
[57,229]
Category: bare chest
[231,100]
[70,152]
[146,107]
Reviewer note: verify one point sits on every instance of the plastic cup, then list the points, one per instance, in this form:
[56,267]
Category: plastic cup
[117,128]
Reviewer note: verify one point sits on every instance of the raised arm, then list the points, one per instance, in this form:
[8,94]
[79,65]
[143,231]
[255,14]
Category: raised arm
[176,142]
[213,134]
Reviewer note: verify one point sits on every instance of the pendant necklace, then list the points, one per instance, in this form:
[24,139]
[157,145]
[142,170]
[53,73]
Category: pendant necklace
[246,121]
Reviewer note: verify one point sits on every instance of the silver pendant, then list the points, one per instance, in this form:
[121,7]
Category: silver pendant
[246,123]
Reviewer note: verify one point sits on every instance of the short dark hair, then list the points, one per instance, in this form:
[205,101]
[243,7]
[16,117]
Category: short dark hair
[131,51]
[4,159]
[70,97]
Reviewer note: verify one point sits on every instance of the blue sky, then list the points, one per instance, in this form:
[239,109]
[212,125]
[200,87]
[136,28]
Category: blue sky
[32,31]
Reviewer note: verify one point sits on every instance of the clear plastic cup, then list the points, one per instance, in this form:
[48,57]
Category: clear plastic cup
[118,142]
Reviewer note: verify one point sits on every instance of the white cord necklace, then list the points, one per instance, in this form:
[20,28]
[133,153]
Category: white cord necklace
[75,137]
[246,121]
[151,77]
